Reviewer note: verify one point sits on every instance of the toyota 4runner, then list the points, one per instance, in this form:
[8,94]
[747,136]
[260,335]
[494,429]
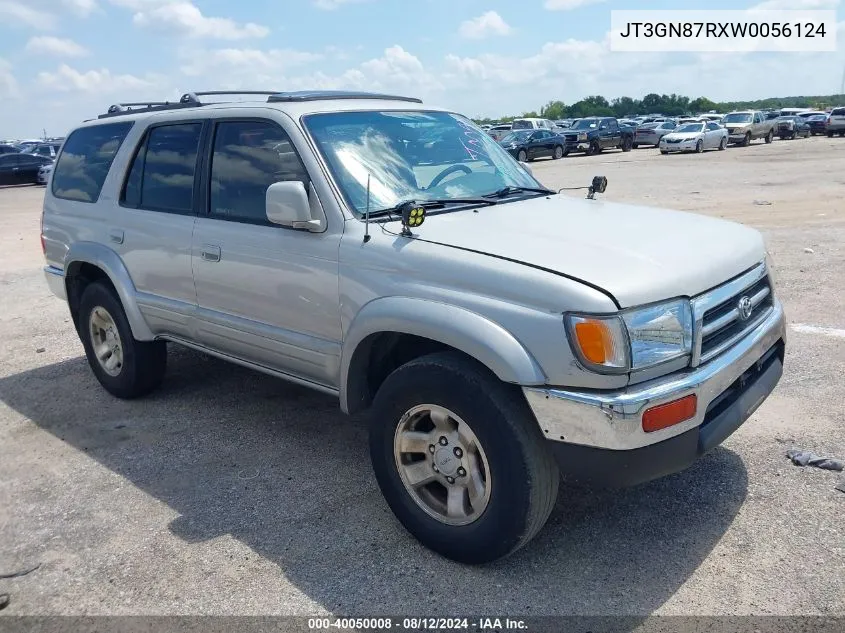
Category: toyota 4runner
[393,255]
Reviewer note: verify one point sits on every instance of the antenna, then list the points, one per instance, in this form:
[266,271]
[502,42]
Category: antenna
[367,214]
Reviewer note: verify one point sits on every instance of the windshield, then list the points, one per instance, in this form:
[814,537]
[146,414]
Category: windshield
[414,155]
[585,124]
[738,117]
[517,137]
[690,128]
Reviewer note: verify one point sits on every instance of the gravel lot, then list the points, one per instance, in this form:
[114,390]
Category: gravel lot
[229,492]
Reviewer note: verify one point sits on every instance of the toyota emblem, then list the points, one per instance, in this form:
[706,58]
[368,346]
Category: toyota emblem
[745,308]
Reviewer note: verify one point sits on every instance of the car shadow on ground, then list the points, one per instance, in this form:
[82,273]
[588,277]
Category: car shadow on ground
[279,468]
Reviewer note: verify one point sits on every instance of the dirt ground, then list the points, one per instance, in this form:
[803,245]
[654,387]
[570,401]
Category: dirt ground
[228,492]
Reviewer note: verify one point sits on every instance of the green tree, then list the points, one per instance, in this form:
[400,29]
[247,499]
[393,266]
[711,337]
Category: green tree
[554,110]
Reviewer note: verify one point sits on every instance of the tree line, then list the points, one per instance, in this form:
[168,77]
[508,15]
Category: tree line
[670,105]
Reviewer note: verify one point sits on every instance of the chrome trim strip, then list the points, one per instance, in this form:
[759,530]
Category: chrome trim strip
[612,419]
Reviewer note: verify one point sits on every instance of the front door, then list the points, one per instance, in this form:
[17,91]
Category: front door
[266,293]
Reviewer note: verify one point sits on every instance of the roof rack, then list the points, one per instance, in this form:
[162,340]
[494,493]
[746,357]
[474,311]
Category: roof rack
[320,95]
[192,99]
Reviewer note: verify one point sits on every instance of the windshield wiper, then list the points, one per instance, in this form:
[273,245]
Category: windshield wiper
[438,203]
[507,191]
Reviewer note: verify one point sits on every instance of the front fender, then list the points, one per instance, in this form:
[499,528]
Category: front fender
[475,335]
[112,265]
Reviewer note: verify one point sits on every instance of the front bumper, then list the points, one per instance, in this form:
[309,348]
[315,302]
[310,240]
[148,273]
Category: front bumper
[683,146]
[598,435]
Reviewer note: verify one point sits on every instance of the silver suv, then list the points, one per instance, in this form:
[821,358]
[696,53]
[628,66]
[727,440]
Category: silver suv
[393,255]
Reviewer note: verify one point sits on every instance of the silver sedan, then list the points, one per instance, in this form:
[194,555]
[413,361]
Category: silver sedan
[695,137]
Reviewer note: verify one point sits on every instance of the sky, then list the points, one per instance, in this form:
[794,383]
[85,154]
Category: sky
[63,61]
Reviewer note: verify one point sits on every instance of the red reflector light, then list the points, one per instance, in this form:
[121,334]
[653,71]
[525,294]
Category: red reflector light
[669,414]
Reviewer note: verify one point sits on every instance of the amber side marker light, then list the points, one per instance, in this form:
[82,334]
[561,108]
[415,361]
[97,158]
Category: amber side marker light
[669,414]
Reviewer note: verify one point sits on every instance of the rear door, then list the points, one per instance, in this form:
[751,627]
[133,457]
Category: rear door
[154,230]
[836,122]
[712,135]
[28,166]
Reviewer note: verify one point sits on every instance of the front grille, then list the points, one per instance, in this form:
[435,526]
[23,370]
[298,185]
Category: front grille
[571,138]
[719,321]
[673,140]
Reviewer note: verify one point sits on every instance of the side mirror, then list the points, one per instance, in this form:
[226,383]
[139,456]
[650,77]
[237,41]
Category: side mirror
[287,205]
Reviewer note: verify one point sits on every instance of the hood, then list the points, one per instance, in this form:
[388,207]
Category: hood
[636,254]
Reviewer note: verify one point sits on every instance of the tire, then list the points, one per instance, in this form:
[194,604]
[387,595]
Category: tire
[635,145]
[140,366]
[522,156]
[593,149]
[830,135]
[699,147]
[747,140]
[523,476]
[558,152]
[770,137]
[565,152]
[723,144]
[664,152]
[627,144]
[841,134]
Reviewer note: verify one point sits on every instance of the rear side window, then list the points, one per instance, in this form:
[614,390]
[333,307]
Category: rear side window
[248,157]
[85,162]
[838,112]
[162,174]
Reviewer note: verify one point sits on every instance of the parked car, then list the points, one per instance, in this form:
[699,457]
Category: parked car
[50,150]
[562,123]
[498,132]
[651,133]
[531,123]
[817,123]
[747,125]
[836,122]
[526,145]
[596,134]
[20,169]
[44,173]
[695,137]
[512,334]
[790,127]
[9,149]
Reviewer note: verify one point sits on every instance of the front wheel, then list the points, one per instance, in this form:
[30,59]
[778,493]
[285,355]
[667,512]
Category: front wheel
[723,144]
[746,141]
[522,156]
[635,145]
[830,135]
[593,149]
[558,152]
[126,368]
[627,144]
[699,147]
[460,459]
[770,136]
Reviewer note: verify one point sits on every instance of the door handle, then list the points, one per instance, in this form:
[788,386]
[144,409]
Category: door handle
[210,253]
[116,236]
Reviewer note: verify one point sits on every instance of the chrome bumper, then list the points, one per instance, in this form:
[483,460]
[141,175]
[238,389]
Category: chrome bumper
[613,420]
[56,281]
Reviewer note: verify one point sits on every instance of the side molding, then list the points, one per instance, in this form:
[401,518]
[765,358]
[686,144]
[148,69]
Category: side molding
[475,335]
[109,262]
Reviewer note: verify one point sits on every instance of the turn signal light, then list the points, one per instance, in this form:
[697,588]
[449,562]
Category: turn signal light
[595,341]
[669,414]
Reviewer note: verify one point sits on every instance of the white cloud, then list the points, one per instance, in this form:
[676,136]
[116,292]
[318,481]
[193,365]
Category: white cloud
[55,46]
[68,79]
[82,7]
[249,61]
[8,83]
[21,13]
[489,23]
[568,5]
[185,17]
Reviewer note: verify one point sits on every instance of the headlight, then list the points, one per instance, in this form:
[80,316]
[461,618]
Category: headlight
[582,136]
[633,339]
